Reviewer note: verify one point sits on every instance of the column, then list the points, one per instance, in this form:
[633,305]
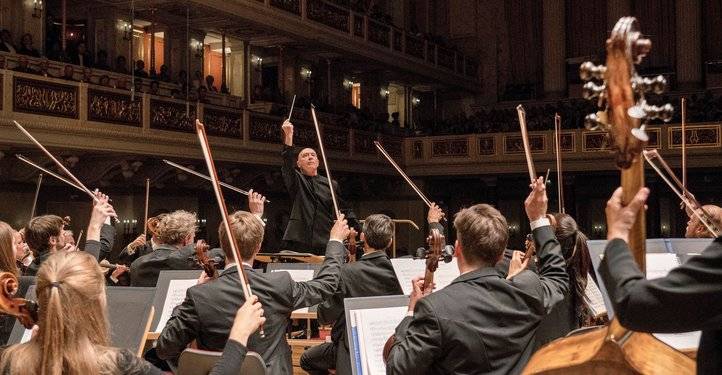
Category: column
[617,9]
[688,43]
[554,48]
[281,66]
[236,62]
[247,84]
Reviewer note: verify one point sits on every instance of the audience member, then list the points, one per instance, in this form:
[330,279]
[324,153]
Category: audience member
[209,83]
[121,65]
[26,46]
[81,56]
[140,69]
[101,60]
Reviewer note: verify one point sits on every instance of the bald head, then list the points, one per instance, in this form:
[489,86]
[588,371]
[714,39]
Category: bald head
[308,162]
[695,227]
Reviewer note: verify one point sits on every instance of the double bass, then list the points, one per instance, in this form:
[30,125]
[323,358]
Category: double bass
[613,349]
[435,255]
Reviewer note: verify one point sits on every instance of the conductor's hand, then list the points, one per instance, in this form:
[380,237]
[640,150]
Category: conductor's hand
[340,230]
[287,128]
[256,202]
[620,218]
[435,214]
[536,203]
[248,318]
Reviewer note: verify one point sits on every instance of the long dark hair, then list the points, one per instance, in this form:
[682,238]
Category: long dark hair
[578,261]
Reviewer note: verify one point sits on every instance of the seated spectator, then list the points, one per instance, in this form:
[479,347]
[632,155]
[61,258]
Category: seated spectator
[140,69]
[44,66]
[224,89]
[154,88]
[82,56]
[395,120]
[68,73]
[164,75]
[26,46]
[101,60]
[121,65]
[104,80]
[23,66]
[209,83]
[87,75]
[6,39]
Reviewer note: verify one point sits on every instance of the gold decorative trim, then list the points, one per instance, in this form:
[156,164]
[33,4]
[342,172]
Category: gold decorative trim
[514,145]
[698,136]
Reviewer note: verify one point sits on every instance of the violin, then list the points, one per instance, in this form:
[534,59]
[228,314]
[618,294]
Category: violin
[208,264]
[435,255]
[351,246]
[24,310]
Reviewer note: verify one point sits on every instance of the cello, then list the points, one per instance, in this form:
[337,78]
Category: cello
[613,349]
[208,264]
[436,243]
[24,310]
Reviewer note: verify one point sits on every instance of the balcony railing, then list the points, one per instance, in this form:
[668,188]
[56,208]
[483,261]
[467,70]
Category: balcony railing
[361,26]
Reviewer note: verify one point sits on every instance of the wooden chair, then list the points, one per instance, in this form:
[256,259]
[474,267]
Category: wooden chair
[201,362]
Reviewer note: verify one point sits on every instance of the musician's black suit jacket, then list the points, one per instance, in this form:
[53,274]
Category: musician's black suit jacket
[312,212]
[689,298]
[145,270]
[481,323]
[206,315]
[371,275]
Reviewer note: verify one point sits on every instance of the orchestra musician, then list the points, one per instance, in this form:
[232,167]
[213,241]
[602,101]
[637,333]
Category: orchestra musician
[482,322]
[207,312]
[73,337]
[695,227]
[9,247]
[176,231]
[312,214]
[371,275]
[689,298]
[43,235]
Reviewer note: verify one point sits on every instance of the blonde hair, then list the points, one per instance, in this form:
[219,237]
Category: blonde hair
[73,333]
[174,227]
[248,232]
[7,255]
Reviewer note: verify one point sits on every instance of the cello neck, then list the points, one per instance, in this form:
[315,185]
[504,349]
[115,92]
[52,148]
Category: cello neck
[428,278]
[632,181]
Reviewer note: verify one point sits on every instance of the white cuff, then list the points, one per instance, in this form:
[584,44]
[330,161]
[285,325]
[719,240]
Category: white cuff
[410,313]
[107,220]
[538,223]
[260,217]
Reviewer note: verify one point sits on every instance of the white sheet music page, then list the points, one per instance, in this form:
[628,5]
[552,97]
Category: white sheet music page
[176,294]
[593,298]
[375,328]
[406,269]
[299,276]
[659,264]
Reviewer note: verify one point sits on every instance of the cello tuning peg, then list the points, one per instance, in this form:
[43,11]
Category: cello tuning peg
[655,85]
[640,133]
[637,112]
[589,71]
[591,90]
[641,48]
[664,112]
[592,121]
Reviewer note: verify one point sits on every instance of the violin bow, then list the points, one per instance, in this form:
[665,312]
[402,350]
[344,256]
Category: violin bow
[57,162]
[558,153]
[77,241]
[147,200]
[203,139]
[48,172]
[325,163]
[37,194]
[525,139]
[684,144]
[401,172]
[201,175]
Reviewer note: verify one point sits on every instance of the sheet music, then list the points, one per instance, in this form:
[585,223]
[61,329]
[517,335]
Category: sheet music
[680,341]
[375,326]
[593,298]
[27,335]
[406,269]
[299,276]
[176,294]
[659,264]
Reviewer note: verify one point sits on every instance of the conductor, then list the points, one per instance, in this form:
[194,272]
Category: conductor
[312,214]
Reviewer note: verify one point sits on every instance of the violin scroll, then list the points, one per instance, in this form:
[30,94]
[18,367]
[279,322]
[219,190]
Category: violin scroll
[209,265]
[25,311]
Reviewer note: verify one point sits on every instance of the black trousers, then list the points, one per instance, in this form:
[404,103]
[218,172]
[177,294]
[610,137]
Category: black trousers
[317,360]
